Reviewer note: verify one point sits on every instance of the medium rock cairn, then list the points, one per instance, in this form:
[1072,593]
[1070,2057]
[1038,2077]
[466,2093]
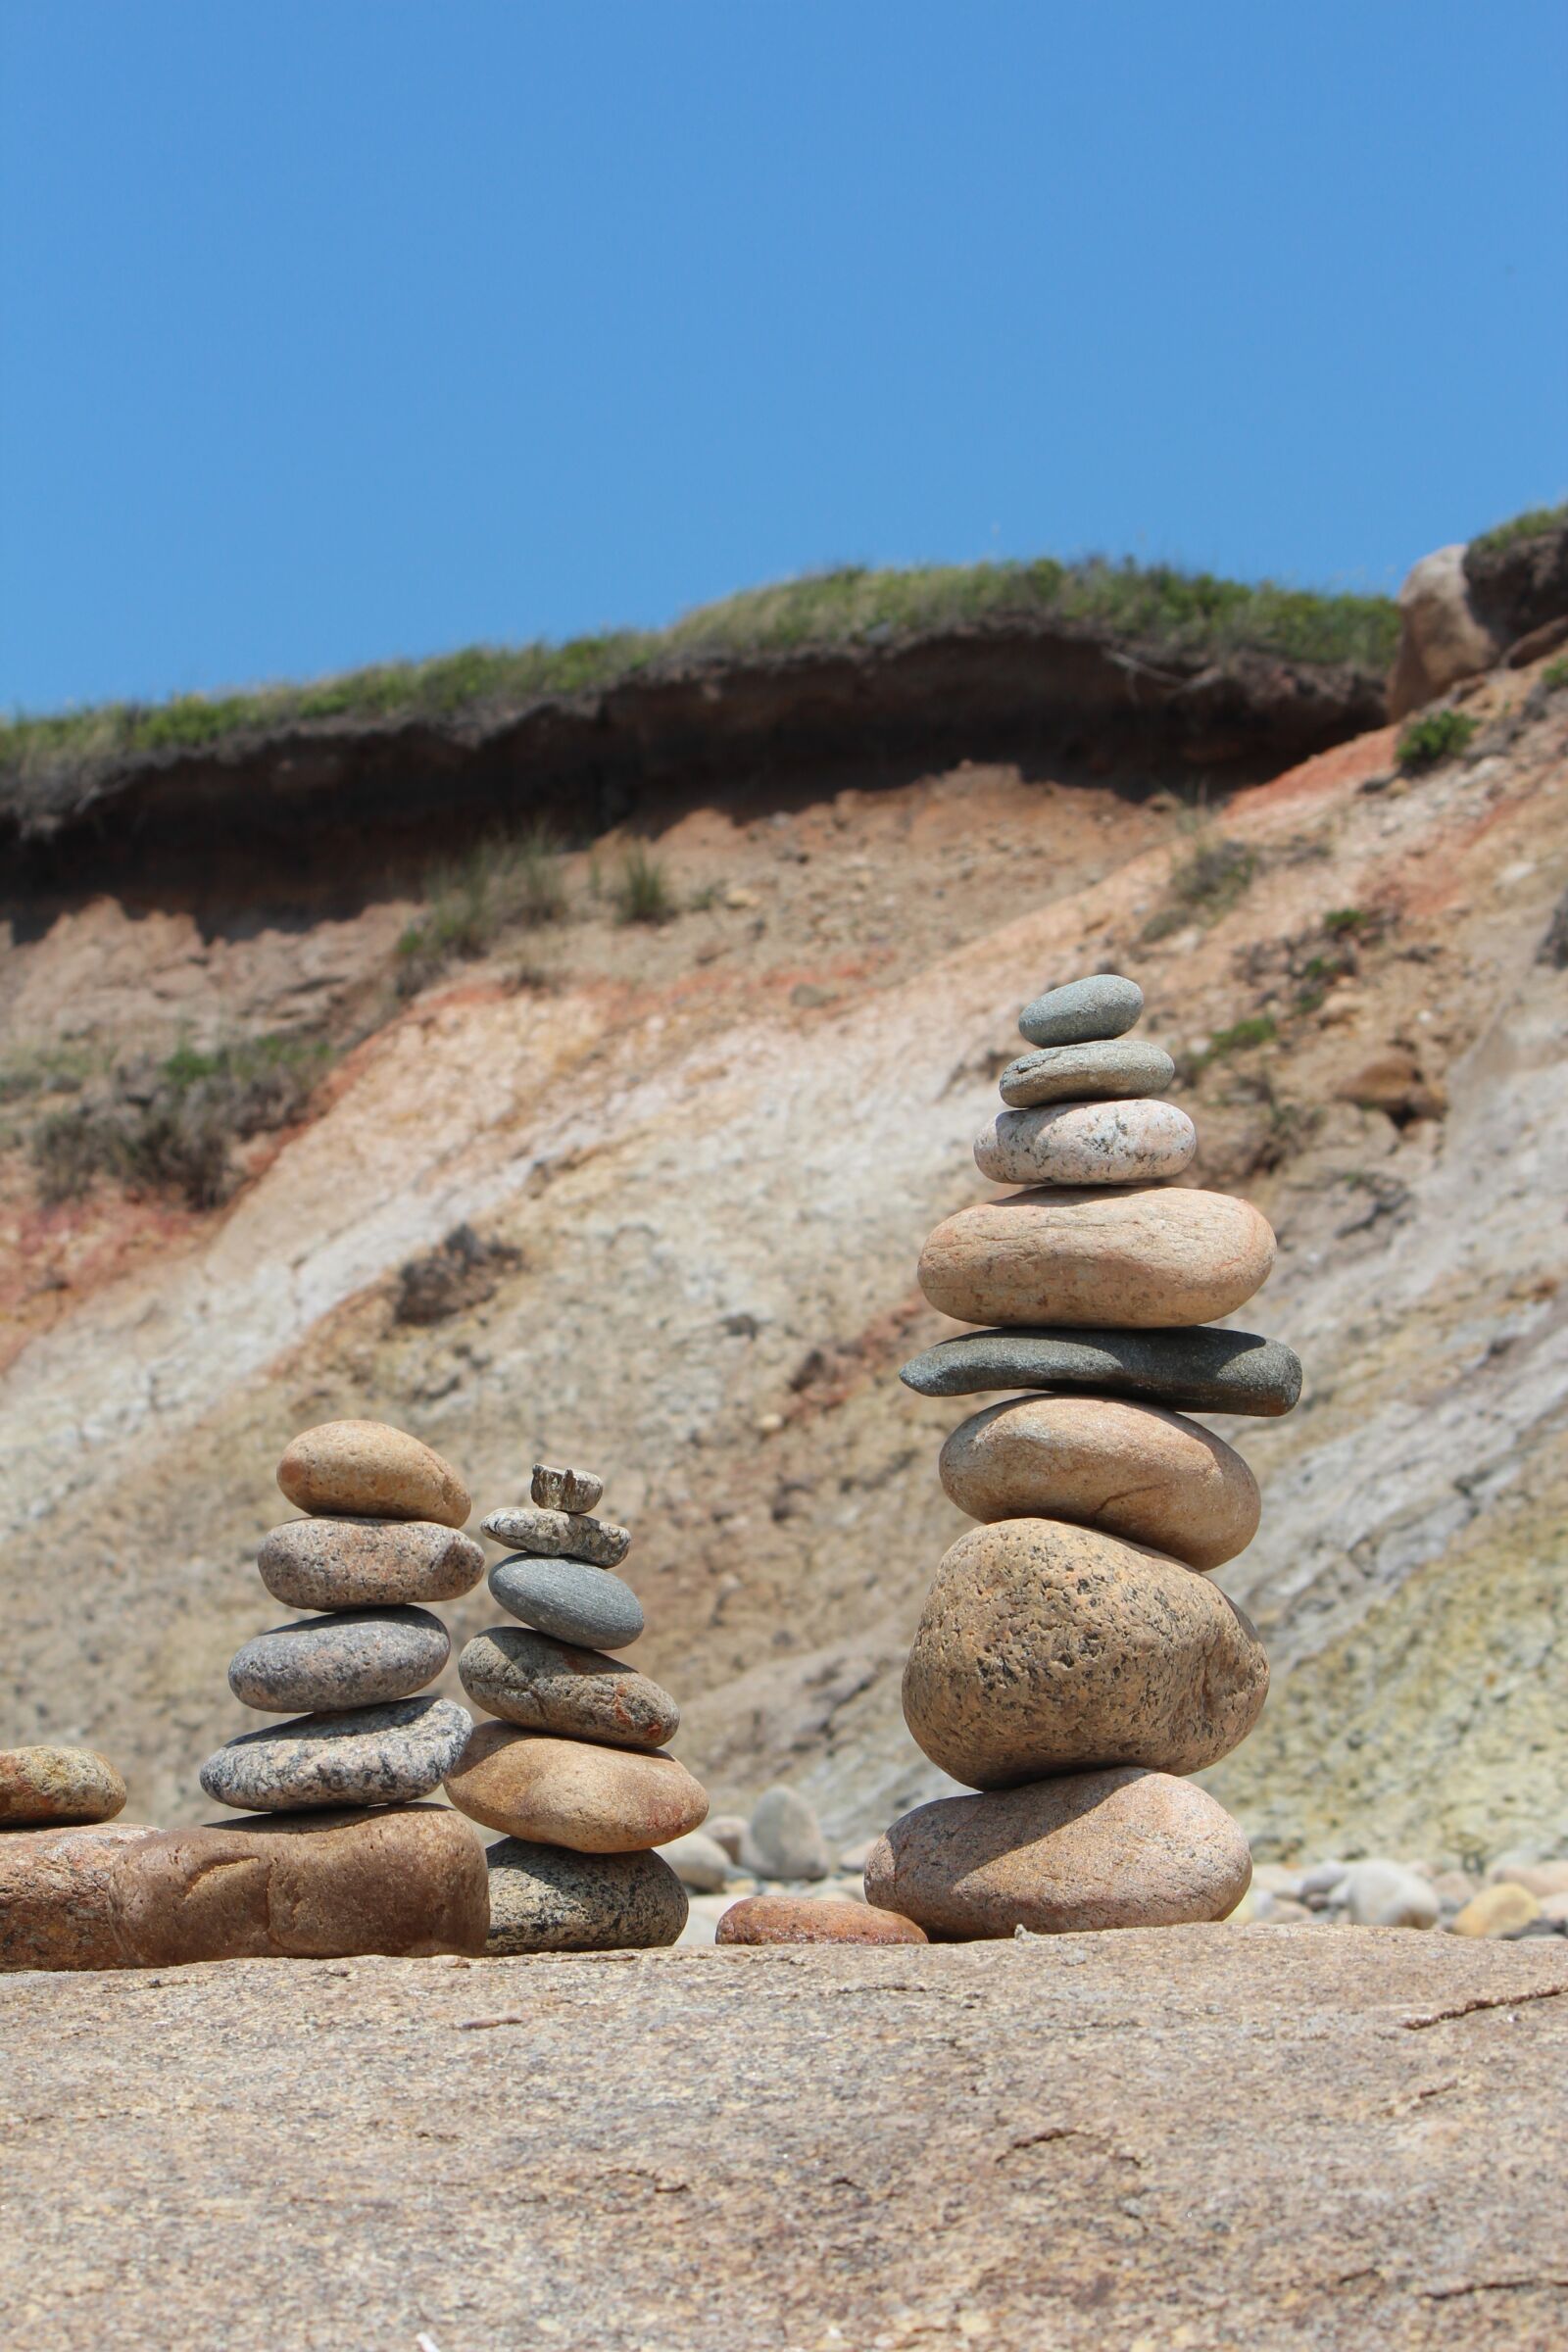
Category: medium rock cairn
[1073,1661]
[573,1769]
[382,1534]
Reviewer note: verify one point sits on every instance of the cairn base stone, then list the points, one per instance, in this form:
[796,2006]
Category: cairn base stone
[544,1899]
[57,1903]
[1097,1850]
[1045,1648]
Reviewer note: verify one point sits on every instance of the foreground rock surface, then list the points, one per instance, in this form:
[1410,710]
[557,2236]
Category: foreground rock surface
[735,2203]
[1122,1848]
[406,1881]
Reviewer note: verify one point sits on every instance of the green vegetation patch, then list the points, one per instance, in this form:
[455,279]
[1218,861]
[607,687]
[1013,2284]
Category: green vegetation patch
[1203,885]
[1436,736]
[641,891]
[1157,605]
[1534,523]
[517,880]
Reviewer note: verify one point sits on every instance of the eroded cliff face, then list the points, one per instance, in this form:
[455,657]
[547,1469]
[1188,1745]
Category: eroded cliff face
[696,1164]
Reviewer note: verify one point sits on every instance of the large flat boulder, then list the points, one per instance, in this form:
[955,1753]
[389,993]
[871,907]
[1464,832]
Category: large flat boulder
[1297,2140]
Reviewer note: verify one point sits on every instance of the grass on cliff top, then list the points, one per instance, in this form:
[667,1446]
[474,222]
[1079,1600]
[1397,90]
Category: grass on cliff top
[1532,524]
[1161,607]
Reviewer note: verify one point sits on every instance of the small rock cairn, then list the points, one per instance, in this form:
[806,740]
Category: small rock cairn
[383,1533]
[573,1769]
[1073,1661]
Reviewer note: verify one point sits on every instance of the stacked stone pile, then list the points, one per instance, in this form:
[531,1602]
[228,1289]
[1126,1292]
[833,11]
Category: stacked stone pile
[573,1769]
[1073,1662]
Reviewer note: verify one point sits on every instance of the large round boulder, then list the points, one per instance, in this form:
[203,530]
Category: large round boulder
[1121,1848]
[1045,1648]
[1151,1257]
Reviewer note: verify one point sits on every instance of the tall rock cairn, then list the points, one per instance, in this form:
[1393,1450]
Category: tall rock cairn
[381,1534]
[573,1769]
[1073,1661]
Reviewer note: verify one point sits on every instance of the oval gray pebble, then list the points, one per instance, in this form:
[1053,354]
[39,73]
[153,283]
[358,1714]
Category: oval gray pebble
[367,1756]
[1112,1071]
[351,1658]
[1194,1368]
[569,1598]
[1084,1010]
[544,1899]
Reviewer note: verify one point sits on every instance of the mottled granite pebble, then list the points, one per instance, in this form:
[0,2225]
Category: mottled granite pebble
[572,1599]
[367,1756]
[560,1535]
[352,1658]
[1196,1371]
[544,1685]
[545,1898]
[1110,1072]
[1083,1011]
[368,1469]
[556,1490]
[43,1787]
[1139,1142]
[367,1563]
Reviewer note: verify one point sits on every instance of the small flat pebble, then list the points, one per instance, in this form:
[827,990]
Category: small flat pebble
[1083,1011]
[367,1756]
[572,1599]
[1110,1072]
[1139,1142]
[368,1468]
[556,1490]
[598,1800]
[544,1685]
[545,1898]
[367,1563]
[44,1788]
[351,1658]
[813,1918]
[1194,1371]
[560,1535]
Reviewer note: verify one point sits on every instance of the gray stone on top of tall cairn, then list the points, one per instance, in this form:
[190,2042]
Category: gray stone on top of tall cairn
[1082,1012]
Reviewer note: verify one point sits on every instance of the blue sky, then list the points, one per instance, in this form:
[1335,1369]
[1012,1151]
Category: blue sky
[336,329]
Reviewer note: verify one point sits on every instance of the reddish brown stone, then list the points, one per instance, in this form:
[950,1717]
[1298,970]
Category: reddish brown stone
[813,1918]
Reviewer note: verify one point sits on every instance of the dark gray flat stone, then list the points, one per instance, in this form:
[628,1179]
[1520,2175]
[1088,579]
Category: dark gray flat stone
[572,1599]
[351,1658]
[367,1756]
[1195,1370]
[1102,1005]
[1116,1070]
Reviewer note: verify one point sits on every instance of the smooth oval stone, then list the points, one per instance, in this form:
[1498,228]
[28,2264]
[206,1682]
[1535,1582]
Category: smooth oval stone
[1141,1142]
[1043,1649]
[1084,1010]
[406,1881]
[813,1918]
[545,1898]
[1198,1370]
[41,1787]
[559,1534]
[1130,1469]
[367,1563]
[1150,1259]
[598,1800]
[572,1599]
[564,1489]
[1095,1850]
[371,1470]
[353,1659]
[367,1756]
[1115,1069]
[546,1686]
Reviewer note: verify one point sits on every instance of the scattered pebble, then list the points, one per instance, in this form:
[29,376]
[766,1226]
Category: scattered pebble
[783,1839]
[813,1918]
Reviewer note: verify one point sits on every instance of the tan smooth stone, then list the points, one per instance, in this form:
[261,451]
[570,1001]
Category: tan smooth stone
[813,1918]
[1094,1849]
[597,1801]
[44,1787]
[1150,1258]
[1540,1878]
[1133,1470]
[1044,1649]
[367,1563]
[1140,1140]
[1496,1911]
[370,1470]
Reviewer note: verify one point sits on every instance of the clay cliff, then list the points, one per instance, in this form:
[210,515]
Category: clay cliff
[624,1152]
